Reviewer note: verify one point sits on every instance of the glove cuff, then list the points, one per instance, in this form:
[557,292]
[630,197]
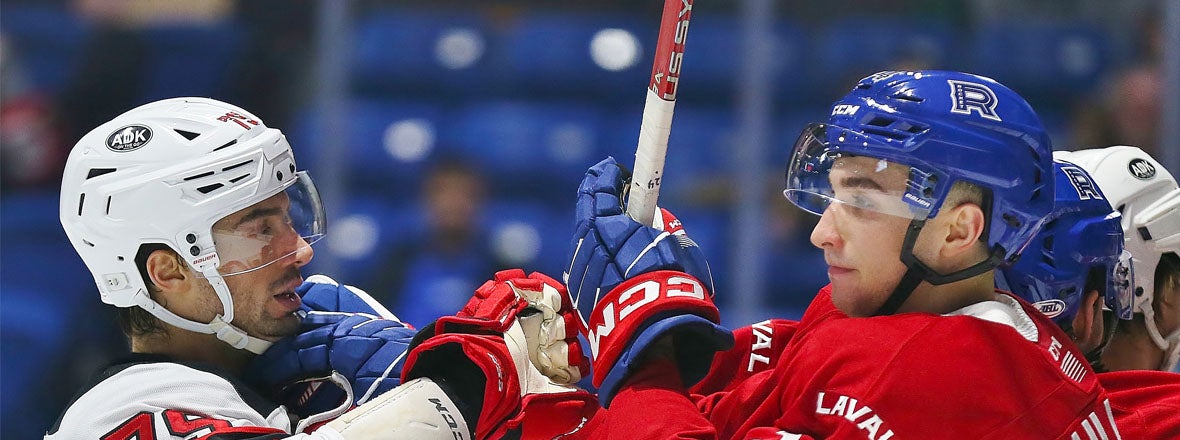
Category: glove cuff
[478,372]
[634,306]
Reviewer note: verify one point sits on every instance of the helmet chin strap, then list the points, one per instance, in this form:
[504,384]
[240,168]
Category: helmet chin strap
[226,332]
[917,271]
[220,326]
[1161,341]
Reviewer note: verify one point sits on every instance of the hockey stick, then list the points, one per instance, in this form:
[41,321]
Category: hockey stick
[657,112]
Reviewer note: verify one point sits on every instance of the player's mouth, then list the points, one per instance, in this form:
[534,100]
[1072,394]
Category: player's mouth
[289,301]
[835,271]
[287,298]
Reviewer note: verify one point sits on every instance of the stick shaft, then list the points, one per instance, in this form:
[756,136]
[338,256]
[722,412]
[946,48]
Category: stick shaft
[657,112]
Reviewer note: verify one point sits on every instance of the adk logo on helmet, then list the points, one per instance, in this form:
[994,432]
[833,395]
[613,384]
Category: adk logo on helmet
[129,138]
[1141,169]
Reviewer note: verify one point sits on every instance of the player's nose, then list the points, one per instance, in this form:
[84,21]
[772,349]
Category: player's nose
[825,235]
[303,254]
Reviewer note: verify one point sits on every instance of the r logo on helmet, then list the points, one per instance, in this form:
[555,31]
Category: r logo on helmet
[1082,183]
[129,138]
[968,96]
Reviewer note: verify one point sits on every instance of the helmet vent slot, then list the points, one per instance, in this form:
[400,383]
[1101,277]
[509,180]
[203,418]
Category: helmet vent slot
[1144,233]
[908,98]
[210,188]
[887,132]
[236,179]
[81,202]
[95,172]
[108,211]
[187,134]
[1066,293]
[198,176]
[227,144]
[238,165]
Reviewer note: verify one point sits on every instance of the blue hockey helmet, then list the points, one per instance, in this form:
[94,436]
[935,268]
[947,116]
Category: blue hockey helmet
[944,127]
[921,132]
[1083,234]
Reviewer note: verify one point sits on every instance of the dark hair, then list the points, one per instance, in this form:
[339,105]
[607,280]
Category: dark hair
[135,321]
[1167,272]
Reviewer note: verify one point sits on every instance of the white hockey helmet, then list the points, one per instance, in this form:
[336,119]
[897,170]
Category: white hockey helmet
[1149,199]
[164,173]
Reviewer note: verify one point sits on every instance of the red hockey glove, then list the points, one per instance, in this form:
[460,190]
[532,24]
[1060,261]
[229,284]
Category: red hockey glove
[482,355]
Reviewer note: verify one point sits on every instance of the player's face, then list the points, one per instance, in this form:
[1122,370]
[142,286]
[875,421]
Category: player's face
[264,298]
[861,243]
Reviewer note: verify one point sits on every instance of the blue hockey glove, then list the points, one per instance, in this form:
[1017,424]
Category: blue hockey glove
[319,292]
[633,284]
[349,350]
[361,351]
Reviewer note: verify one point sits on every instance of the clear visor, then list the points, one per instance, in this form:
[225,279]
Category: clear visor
[1120,294]
[818,177]
[272,230]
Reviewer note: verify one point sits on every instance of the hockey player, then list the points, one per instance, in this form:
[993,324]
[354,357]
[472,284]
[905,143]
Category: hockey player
[1076,267]
[925,182]
[1145,402]
[1147,196]
[195,221]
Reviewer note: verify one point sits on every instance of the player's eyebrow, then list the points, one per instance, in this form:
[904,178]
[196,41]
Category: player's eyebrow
[860,182]
[255,214]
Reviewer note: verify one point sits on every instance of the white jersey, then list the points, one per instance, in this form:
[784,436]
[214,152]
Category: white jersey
[154,398]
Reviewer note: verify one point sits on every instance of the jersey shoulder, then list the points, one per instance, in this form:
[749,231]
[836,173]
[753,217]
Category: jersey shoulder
[915,369]
[153,386]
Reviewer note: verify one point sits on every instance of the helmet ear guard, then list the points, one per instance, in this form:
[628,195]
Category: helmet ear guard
[165,173]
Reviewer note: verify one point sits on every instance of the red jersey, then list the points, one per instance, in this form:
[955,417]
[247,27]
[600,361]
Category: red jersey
[993,370]
[1146,403]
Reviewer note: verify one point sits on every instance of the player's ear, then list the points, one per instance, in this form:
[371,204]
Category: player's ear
[964,228]
[167,271]
[1089,314]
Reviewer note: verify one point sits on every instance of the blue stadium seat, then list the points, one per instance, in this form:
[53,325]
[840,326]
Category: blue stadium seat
[388,143]
[404,51]
[190,59]
[699,148]
[712,61]
[34,336]
[553,53]
[537,149]
[532,235]
[362,231]
[1042,59]
[849,49]
[47,42]
[44,291]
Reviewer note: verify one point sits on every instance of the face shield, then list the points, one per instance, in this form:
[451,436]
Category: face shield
[1120,291]
[271,230]
[820,175]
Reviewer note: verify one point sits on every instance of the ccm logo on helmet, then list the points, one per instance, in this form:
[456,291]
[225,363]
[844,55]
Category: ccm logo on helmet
[129,138]
[1141,169]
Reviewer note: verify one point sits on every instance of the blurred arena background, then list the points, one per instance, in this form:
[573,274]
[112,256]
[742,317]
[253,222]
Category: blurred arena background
[449,136]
